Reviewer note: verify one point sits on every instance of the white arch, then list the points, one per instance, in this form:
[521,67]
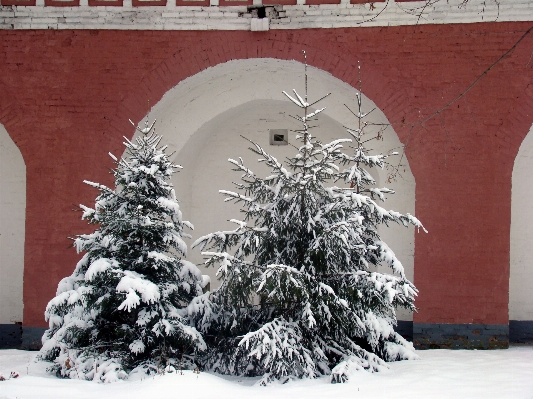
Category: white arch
[203,117]
[521,267]
[12,228]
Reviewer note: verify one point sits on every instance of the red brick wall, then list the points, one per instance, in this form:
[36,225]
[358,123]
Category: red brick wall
[66,97]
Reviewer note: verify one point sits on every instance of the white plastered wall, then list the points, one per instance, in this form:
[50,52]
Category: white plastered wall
[521,273]
[12,219]
[203,117]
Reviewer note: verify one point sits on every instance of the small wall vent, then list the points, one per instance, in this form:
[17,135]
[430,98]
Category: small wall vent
[279,136]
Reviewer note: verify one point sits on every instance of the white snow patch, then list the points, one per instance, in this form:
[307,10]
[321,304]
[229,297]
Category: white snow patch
[159,257]
[439,374]
[133,283]
[99,266]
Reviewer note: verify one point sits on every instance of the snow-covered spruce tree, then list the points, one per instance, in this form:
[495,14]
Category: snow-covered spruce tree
[297,295]
[121,308]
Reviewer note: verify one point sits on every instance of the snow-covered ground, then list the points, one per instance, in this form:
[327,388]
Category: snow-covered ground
[495,374]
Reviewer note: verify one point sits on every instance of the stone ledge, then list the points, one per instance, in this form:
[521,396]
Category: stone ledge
[10,336]
[521,331]
[405,329]
[31,338]
[460,336]
[426,336]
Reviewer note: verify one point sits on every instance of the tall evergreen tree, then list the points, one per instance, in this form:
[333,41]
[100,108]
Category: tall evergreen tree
[298,296]
[122,306]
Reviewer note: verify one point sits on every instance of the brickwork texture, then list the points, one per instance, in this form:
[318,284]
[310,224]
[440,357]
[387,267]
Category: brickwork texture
[66,97]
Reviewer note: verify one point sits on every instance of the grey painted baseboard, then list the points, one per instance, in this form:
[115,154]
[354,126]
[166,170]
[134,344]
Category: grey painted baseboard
[460,336]
[453,335]
[405,329]
[31,338]
[15,336]
[521,331]
[10,336]
[424,336]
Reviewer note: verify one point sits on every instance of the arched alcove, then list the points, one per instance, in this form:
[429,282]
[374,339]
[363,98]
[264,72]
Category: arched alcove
[203,118]
[12,229]
[521,267]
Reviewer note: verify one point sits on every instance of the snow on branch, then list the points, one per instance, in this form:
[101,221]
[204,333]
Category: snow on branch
[281,354]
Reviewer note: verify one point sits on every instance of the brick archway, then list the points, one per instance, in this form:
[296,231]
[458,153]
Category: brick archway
[188,62]
[193,119]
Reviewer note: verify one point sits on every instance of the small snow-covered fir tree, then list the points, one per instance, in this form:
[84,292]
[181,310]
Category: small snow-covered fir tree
[122,307]
[298,297]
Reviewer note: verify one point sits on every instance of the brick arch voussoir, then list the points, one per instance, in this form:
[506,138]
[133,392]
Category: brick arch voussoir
[517,125]
[11,117]
[188,62]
